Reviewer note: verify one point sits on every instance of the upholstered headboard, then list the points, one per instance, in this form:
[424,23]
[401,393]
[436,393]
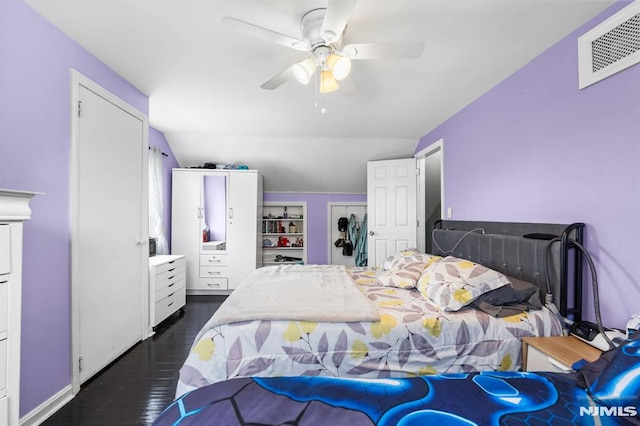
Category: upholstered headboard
[502,246]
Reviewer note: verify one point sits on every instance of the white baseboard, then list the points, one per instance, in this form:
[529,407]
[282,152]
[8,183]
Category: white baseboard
[45,410]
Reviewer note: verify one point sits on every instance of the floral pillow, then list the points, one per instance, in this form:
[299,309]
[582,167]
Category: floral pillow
[406,268]
[453,283]
[404,257]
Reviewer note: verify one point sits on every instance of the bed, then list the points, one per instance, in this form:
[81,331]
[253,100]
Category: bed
[256,333]
[604,392]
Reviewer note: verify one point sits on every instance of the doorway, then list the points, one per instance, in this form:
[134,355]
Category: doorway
[337,210]
[430,192]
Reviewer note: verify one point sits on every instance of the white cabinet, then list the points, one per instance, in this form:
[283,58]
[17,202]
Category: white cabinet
[215,224]
[284,233]
[167,287]
[14,209]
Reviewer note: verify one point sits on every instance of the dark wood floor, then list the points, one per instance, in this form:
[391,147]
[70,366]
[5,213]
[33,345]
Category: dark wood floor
[140,384]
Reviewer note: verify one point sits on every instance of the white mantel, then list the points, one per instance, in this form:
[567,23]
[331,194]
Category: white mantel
[14,205]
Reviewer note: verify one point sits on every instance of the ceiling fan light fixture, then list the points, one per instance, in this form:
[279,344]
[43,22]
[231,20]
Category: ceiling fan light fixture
[340,66]
[303,70]
[328,82]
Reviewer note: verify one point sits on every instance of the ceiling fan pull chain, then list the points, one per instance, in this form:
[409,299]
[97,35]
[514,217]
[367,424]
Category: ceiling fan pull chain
[315,89]
[319,93]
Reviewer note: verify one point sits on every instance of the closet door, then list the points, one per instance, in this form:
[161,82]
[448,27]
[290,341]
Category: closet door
[109,254]
[242,225]
[186,212]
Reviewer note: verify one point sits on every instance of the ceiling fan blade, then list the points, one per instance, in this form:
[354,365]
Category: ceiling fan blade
[252,30]
[335,19]
[391,50]
[279,79]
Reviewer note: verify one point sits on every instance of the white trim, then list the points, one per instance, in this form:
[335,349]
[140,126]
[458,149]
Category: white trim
[319,193]
[586,75]
[45,410]
[78,80]
[330,225]
[420,157]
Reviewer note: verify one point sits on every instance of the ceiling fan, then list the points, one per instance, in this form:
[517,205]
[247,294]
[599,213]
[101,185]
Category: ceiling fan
[322,33]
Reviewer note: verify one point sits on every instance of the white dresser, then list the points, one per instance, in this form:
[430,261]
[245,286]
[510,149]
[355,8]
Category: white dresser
[14,209]
[167,287]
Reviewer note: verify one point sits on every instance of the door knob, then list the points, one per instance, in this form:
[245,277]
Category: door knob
[372,233]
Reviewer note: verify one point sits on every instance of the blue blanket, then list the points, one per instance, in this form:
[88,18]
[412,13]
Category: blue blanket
[605,392]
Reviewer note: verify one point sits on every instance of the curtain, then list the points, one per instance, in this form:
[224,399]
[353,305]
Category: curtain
[156,201]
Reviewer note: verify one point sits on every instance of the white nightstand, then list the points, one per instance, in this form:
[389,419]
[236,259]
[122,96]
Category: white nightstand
[555,353]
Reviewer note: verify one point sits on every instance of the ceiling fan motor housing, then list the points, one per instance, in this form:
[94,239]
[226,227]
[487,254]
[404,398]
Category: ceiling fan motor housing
[311,28]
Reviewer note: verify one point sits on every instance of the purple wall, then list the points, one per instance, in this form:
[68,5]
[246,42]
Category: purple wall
[36,59]
[537,149]
[157,139]
[317,239]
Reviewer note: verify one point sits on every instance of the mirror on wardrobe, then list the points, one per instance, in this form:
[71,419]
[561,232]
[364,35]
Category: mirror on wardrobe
[214,218]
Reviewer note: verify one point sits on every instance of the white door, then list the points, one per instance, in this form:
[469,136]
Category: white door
[186,221]
[111,233]
[391,206]
[242,224]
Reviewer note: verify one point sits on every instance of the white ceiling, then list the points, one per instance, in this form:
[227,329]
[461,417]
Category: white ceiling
[204,82]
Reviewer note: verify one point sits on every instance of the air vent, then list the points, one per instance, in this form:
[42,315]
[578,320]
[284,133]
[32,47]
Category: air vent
[610,47]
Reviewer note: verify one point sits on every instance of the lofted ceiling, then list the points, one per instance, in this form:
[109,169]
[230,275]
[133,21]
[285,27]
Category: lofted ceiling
[203,81]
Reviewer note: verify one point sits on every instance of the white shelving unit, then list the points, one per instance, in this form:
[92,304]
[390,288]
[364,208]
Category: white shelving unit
[284,231]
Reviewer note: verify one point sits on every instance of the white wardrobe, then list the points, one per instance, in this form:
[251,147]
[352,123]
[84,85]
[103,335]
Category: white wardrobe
[215,220]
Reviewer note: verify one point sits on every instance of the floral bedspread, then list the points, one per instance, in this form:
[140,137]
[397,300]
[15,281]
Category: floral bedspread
[413,337]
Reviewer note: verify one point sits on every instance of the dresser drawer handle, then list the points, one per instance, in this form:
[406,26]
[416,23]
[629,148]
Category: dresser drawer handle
[170,304]
[213,272]
[171,285]
[213,285]
[171,270]
[171,295]
[171,277]
[214,260]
